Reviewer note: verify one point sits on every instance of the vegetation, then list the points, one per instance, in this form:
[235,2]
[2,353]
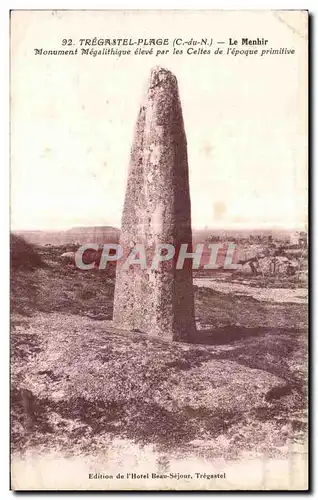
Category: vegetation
[77,382]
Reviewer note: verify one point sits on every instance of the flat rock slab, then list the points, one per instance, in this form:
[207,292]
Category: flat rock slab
[94,360]
[82,383]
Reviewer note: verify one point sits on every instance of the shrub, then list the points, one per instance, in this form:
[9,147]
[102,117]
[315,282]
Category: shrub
[23,254]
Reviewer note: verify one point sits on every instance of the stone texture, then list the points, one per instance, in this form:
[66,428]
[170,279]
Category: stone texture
[157,210]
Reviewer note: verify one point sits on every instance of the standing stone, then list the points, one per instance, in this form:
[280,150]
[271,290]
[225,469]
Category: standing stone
[157,210]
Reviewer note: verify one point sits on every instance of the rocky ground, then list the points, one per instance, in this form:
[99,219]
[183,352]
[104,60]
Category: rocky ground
[78,383]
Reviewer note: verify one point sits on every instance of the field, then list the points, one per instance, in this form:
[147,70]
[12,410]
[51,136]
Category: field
[81,388]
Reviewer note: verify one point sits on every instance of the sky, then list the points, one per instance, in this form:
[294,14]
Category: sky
[72,118]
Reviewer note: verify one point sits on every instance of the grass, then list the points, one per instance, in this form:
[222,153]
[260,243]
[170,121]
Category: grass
[77,381]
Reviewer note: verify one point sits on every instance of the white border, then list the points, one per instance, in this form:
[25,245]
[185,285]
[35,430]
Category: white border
[5,6]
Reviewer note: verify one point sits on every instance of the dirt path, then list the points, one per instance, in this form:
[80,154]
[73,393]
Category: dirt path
[281,295]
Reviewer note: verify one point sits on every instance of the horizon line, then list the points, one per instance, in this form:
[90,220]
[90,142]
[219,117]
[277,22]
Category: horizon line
[194,228]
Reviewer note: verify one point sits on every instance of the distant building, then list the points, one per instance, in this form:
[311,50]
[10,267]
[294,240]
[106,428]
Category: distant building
[303,238]
[294,238]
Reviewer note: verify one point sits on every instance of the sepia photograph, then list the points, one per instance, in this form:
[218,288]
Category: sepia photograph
[159,250]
